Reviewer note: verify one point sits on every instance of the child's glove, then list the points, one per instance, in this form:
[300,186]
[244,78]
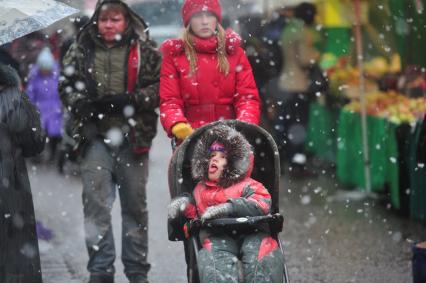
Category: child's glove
[176,206]
[218,211]
[182,130]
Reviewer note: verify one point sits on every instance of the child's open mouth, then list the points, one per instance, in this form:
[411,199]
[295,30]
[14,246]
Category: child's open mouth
[213,168]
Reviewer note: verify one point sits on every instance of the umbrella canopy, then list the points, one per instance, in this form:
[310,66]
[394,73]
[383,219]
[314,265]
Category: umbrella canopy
[18,18]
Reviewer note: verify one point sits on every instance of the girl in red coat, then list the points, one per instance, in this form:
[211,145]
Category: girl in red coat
[222,163]
[205,76]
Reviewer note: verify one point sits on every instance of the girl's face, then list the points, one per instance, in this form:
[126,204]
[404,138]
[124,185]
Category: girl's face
[203,24]
[217,164]
[111,25]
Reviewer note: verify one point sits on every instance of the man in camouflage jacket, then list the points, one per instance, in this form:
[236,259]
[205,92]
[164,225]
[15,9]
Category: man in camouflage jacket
[110,85]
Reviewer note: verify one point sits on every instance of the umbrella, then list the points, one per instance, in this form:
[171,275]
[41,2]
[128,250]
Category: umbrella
[20,17]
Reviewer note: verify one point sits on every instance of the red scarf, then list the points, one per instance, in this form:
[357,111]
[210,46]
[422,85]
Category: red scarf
[133,65]
[205,45]
[209,45]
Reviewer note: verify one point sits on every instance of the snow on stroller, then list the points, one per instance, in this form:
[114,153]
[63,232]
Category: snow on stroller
[266,170]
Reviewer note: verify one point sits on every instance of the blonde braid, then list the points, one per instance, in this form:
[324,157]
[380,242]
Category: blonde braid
[191,54]
[221,51]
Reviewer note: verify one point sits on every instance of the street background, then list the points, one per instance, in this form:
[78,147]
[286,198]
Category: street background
[333,232]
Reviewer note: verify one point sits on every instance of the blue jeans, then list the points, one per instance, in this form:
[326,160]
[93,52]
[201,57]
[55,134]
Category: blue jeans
[105,171]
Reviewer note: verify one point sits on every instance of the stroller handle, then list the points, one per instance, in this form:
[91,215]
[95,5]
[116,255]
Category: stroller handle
[275,222]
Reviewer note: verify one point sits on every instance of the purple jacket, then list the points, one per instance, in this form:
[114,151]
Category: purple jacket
[43,92]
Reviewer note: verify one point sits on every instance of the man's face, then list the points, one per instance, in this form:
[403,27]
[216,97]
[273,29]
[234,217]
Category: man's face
[203,24]
[217,164]
[111,25]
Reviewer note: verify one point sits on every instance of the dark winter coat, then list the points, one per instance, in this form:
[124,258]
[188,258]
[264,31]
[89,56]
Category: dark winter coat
[7,59]
[247,196]
[20,136]
[80,86]
[208,95]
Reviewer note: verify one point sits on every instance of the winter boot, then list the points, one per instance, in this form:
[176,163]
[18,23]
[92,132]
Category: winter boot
[138,278]
[97,278]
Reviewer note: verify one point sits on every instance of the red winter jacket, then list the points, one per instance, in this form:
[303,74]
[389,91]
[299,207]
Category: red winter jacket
[208,95]
[248,197]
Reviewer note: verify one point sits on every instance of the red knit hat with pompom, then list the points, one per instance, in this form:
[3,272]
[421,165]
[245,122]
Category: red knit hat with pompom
[191,7]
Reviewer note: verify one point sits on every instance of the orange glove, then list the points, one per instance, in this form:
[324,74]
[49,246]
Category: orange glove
[182,130]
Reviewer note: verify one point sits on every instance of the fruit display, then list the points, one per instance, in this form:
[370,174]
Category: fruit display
[345,82]
[395,64]
[378,66]
[340,78]
[344,79]
[392,106]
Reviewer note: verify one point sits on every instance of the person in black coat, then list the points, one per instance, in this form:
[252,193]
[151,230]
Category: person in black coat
[20,136]
[7,59]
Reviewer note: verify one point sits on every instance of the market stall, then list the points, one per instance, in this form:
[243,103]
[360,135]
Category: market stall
[388,90]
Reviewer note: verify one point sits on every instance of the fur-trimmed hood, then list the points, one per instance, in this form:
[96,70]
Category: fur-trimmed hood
[137,24]
[239,155]
[8,76]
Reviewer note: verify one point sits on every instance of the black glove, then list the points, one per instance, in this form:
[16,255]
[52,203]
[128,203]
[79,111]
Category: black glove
[114,103]
[84,109]
[218,211]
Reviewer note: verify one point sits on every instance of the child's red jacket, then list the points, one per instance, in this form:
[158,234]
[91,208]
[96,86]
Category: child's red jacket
[248,197]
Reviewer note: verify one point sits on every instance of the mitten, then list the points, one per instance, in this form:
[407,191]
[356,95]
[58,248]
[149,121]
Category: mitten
[182,130]
[176,206]
[218,211]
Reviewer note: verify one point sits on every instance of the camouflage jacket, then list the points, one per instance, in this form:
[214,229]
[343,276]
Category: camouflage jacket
[78,84]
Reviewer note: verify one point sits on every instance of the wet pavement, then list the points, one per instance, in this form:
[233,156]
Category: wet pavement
[330,234]
[335,235]
[58,205]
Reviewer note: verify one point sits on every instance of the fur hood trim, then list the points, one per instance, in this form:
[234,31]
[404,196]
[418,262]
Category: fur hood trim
[8,76]
[238,155]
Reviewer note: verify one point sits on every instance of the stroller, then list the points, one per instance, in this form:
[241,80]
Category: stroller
[266,170]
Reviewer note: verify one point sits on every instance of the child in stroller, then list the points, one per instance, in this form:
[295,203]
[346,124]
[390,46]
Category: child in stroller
[221,163]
